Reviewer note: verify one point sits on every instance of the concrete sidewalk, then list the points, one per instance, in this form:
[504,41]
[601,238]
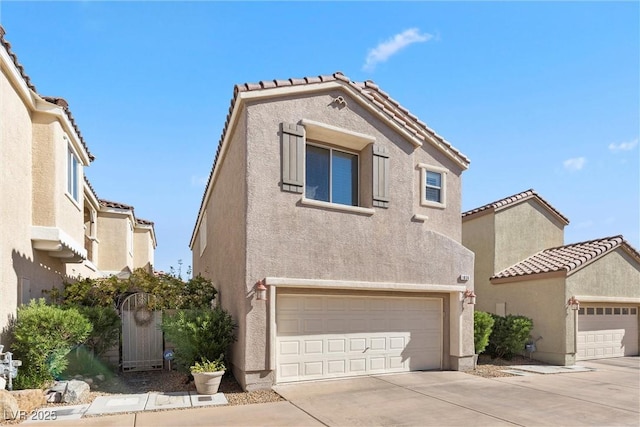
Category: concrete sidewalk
[260,414]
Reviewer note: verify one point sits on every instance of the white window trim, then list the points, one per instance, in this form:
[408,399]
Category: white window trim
[424,168]
[336,206]
[77,171]
[131,237]
[203,233]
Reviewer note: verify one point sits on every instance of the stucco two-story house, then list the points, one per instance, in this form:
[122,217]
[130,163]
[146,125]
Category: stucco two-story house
[330,226]
[49,217]
[583,297]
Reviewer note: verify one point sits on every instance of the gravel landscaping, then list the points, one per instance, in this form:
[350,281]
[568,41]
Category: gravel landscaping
[493,368]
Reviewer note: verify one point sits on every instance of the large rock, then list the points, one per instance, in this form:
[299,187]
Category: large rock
[8,406]
[76,392]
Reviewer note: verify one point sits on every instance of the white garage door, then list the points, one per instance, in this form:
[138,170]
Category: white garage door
[339,336]
[607,332]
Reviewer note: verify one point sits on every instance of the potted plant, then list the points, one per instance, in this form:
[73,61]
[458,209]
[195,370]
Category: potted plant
[208,374]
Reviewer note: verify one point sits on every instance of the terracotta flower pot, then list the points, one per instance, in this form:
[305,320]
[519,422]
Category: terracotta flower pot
[207,382]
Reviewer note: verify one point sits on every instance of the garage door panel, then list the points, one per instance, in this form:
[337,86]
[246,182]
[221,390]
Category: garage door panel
[607,332]
[342,341]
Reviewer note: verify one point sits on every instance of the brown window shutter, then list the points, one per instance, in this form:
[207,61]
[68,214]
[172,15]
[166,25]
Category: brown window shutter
[380,176]
[292,157]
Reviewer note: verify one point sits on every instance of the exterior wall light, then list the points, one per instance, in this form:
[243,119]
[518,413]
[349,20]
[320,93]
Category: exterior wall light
[470,296]
[261,291]
[573,303]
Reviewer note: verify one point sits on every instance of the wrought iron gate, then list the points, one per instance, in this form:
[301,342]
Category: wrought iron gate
[141,334]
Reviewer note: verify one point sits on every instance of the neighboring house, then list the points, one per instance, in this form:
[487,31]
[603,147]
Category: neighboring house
[48,230]
[331,227]
[583,297]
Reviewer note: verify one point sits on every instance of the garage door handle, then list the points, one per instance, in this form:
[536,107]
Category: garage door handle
[365,350]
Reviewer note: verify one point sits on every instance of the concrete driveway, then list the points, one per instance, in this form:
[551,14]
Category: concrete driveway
[609,395]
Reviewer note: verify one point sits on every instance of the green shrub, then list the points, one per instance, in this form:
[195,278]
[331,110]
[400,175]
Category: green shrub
[208,366]
[43,336]
[199,335]
[509,335]
[170,291]
[482,327]
[106,328]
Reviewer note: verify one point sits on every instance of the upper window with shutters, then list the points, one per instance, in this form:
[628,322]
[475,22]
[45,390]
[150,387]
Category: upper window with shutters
[334,168]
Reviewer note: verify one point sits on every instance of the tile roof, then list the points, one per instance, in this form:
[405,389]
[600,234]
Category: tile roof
[513,200]
[114,205]
[57,101]
[144,221]
[369,91]
[568,258]
[86,180]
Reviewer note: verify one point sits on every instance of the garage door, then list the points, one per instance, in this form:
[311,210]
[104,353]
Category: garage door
[338,336]
[607,332]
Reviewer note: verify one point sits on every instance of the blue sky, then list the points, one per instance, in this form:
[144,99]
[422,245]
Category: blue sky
[539,95]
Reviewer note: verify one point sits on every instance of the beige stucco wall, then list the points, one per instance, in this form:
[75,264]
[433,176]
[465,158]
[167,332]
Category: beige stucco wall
[224,257]
[287,239]
[523,230]
[52,205]
[19,263]
[614,275]
[542,301]
[114,254]
[478,235]
[15,173]
[143,250]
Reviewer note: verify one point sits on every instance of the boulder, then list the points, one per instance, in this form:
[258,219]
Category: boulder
[76,392]
[8,406]
[100,377]
[54,396]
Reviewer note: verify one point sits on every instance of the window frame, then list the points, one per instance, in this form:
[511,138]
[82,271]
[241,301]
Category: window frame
[331,149]
[73,174]
[424,168]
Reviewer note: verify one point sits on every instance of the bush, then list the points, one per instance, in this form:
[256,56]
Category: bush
[482,327]
[509,335]
[170,291]
[43,336]
[106,328]
[199,334]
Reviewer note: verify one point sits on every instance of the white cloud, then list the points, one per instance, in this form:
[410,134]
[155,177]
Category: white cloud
[198,181]
[386,49]
[623,146]
[574,164]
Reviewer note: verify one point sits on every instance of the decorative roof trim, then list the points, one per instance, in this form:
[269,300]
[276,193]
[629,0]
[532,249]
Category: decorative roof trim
[507,202]
[367,94]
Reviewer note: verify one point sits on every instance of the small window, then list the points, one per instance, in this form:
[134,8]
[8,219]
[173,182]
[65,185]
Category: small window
[616,310]
[590,310]
[73,166]
[633,311]
[581,310]
[599,310]
[625,311]
[608,310]
[331,175]
[432,186]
